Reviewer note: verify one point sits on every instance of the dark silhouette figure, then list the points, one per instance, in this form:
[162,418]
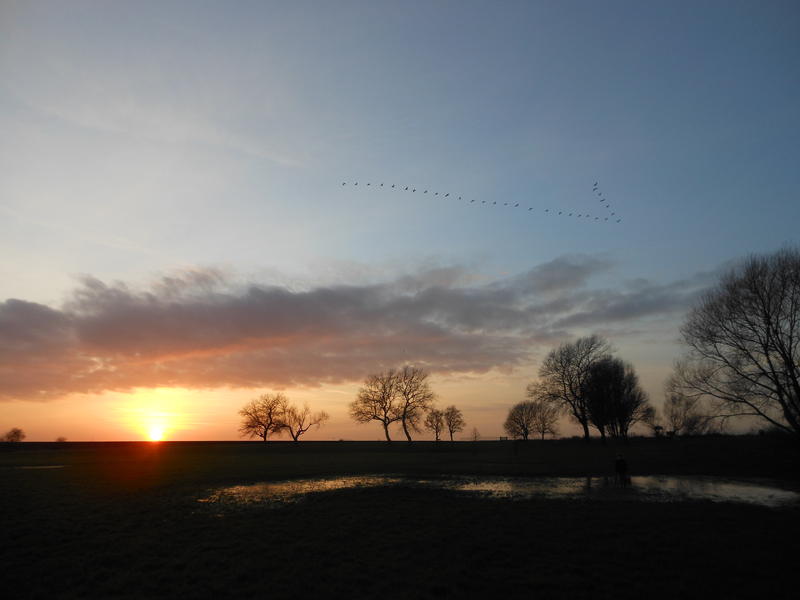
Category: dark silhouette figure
[621,471]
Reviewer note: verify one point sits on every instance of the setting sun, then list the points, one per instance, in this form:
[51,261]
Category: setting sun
[156,433]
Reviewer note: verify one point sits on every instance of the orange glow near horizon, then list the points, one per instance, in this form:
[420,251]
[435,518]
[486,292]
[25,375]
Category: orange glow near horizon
[157,412]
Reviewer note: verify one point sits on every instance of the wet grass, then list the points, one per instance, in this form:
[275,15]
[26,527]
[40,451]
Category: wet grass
[122,520]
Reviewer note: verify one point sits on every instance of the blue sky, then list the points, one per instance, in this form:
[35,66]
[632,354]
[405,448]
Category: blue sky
[151,138]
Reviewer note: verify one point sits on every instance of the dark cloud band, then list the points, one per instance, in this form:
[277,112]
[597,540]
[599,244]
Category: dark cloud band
[198,330]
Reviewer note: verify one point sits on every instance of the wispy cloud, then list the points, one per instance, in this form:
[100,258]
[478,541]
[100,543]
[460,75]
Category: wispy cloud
[198,329]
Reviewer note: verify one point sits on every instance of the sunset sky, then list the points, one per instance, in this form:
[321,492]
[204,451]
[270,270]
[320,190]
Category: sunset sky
[175,238]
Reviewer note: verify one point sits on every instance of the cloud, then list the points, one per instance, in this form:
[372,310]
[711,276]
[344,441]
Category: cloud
[199,329]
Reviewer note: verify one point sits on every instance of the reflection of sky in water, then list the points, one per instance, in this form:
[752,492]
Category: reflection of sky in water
[287,491]
[647,489]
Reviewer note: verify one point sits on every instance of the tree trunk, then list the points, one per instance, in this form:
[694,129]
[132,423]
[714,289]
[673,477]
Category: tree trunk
[585,431]
[386,432]
[451,435]
[405,430]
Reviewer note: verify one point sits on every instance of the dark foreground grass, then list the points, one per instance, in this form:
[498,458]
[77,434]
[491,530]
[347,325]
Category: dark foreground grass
[123,521]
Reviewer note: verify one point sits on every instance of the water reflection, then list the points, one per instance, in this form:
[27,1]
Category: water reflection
[645,489]
[287,491]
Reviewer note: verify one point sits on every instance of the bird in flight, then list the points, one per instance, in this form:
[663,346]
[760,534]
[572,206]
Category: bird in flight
[603,200]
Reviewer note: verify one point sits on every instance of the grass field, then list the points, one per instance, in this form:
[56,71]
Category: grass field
[122,520]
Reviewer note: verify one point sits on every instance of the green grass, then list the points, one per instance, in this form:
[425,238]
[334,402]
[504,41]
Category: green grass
[121,520]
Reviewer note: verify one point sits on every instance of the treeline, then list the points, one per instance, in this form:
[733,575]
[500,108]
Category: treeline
[742,360]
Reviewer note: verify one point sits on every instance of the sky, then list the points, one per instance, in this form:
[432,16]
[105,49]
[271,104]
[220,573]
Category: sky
[180,229]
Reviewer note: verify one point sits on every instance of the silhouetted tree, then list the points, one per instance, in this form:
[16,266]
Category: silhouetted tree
[264,416]
[454,420]
[744,342]
[414,397]
[299,420]
[475,435]
[377,401]
[434,421]
[685,415]
[532,416]
[613,397]
[14,435]
[562,377]
[61,439]
[519,421]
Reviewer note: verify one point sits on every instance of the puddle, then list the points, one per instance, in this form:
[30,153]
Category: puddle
[645,489]
[287,491]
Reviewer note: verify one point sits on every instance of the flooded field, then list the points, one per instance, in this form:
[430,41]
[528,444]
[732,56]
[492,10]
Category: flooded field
[644,488]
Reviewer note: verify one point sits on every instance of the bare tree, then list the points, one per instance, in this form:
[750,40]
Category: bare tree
[475,435]
[454,421]
[614,399]
[685,415]
[264,416]
[545,419]
[300,420]
[434,421]
[519,422]
[630,407]
[532,416]
[14,435]
[563,374]
[377,401]
[414,396]
[743,342]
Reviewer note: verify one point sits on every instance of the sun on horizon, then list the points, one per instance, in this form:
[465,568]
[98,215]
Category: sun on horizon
[156,433]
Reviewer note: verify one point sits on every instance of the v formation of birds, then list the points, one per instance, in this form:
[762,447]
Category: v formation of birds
[606,214]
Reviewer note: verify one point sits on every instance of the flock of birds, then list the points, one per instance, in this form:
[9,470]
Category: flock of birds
[608,215]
